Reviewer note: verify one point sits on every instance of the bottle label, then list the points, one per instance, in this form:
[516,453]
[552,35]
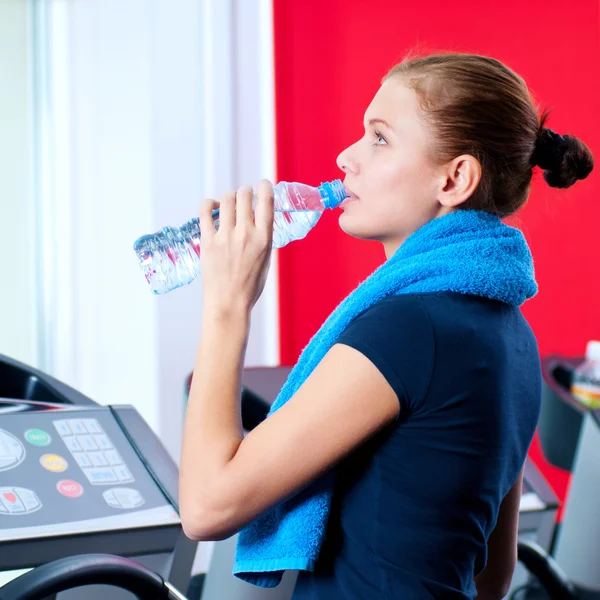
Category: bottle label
[587,394]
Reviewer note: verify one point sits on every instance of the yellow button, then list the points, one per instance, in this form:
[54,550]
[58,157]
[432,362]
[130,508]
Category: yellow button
[54,463]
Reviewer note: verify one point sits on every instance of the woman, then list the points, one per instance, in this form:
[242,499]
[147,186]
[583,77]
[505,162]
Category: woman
[426,402]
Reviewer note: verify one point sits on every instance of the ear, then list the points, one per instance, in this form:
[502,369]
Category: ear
[461,178]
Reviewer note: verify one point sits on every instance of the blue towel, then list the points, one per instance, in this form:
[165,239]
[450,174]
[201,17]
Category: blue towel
[466,251]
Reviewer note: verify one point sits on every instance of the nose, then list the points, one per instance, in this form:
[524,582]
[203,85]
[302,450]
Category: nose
[346,161]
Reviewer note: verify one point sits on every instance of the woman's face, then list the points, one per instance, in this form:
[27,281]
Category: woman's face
[394,184]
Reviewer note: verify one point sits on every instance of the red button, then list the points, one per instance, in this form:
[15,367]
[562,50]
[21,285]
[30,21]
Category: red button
[69,488]
[11,498]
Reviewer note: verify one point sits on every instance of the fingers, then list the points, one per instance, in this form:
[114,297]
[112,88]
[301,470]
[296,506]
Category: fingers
[227,212]
[207,226]
[237,208]
[244,209]
[264,212]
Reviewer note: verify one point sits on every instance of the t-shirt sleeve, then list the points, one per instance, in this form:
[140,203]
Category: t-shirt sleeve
[397,336]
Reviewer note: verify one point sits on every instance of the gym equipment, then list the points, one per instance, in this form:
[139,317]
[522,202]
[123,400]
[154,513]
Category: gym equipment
[77,477]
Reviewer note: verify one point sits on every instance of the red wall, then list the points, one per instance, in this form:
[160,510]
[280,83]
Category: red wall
[329,58]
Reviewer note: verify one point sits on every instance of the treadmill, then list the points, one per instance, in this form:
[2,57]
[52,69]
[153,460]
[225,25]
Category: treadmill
[86,488]
[77,477]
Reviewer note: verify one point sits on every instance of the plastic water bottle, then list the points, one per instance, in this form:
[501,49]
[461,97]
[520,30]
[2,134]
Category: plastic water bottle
[586,377]
[170,258]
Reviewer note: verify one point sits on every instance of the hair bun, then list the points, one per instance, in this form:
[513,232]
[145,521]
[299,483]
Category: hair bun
[565,159]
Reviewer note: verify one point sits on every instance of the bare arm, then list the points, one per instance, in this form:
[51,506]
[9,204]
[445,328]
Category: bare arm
[227,480]
[494,581]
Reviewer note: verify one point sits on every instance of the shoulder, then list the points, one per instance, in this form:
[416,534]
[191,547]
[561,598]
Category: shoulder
[393,321]
[413,311]
[403,307]
[407,335]
[397,336]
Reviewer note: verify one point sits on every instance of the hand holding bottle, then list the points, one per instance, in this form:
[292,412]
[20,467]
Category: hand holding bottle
[235,257]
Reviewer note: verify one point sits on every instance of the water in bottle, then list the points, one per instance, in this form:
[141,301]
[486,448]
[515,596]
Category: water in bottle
[170,258]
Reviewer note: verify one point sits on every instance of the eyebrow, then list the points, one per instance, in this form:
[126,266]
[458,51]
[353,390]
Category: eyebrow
[383,122]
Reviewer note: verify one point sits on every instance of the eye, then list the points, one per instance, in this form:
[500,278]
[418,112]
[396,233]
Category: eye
[381,141]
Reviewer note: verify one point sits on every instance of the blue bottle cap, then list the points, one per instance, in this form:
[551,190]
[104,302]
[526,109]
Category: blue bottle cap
[333,193]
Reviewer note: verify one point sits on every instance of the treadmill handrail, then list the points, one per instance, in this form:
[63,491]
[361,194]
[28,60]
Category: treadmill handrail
[63,392]
[542,566]
[86,569]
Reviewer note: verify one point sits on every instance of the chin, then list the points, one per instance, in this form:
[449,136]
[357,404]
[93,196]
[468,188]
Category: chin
[356,228]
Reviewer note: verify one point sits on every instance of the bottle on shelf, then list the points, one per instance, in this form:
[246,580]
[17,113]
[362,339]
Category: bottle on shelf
[585,385]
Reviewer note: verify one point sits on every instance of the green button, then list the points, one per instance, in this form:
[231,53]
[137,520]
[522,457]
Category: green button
[37,437]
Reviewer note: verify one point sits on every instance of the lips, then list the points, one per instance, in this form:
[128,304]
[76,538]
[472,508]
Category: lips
[351,197]
[349,192]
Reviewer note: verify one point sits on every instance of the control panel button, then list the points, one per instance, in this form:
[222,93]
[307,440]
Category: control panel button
[69,488]
[72,444]
[37,437]
[29,499]
[111,499]
[54,463]
[113,458]
[77,426]
[87,443]
[11,501]
[82,459]
[103,442]
[97,459]
[12,452]
[123,473]
[62,427]
[18,501]
[123,498]
[100,475]
[91,426]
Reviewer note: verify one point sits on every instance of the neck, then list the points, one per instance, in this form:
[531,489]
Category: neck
[391,244]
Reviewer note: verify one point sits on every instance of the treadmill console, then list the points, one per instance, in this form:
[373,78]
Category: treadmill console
[71,470]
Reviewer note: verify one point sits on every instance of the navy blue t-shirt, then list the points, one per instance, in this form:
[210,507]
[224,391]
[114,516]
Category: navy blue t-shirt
[413,507]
